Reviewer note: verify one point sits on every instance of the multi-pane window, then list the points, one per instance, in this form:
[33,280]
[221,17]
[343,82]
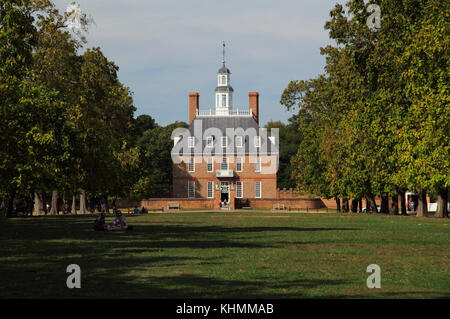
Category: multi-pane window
[191,164]
[257,164]
[224,163]
[191,141]
[257,189]
[239,164]
[224,141]
[239,141]
[209,142]
[191,189]
[224,100]
[224,79]
[239,190]
[209,164]
[209,190]
[257,140]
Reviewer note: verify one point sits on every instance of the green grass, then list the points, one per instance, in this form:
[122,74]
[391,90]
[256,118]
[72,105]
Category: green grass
[227,255]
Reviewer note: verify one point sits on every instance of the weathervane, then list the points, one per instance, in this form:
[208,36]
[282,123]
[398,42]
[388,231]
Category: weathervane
[223,51]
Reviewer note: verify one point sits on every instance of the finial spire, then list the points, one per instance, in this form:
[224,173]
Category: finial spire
[223,52]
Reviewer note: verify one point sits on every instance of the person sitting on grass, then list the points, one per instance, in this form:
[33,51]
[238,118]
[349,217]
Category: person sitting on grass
[120,222]
[136,210]
[144,211]
[99,223]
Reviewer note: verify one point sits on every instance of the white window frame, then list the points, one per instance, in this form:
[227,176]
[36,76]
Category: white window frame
[224,138]
[209,161]
[257,164]
[257,141]
[239,140]
[191,141]
[191,161]
[260,189]
[209,142]
[224,100]
[191,187]
[210,187]
[222,163]
[239,161]
[237,189]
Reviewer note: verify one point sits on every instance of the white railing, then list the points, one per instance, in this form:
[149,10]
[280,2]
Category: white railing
[211,112]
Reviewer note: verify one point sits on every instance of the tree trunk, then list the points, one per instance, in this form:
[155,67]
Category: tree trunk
[371,205]
[384,209]
[44,201]
[106,205]
[360,205]
[114,205]
[74,204]
[338,203]
[345,205]
[10,205]
[66,206]
[403,203]
[38,204]
[394,205]
[83,202]
[30,204]
[354,205]
[422,209]
[442,204]
[54,207]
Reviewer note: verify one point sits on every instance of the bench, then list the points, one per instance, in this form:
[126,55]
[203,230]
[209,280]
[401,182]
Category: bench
[173,206]
[278,207]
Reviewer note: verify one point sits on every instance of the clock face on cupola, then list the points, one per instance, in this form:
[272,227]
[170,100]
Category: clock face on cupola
[224,91]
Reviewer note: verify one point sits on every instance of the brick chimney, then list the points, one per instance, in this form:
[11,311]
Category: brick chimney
[193,105]
[253,104]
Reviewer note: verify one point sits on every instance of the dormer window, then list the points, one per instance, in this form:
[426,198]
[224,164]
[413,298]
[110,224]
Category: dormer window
[209,142]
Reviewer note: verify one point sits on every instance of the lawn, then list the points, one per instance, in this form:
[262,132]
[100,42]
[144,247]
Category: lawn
[227,255]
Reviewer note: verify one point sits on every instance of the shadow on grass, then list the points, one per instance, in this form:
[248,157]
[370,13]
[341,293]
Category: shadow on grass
[151,261]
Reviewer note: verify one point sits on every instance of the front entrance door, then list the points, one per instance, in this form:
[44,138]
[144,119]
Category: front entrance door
[225,193]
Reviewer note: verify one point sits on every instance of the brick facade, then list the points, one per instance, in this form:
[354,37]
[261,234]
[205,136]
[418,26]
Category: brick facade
[247,175]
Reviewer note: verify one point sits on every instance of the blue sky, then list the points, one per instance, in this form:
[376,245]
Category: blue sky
[168,48]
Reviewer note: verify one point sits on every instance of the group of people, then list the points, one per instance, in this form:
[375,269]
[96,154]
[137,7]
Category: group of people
[137,211]
[119,223]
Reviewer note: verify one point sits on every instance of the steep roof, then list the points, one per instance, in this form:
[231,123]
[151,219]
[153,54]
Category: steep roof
[231,126]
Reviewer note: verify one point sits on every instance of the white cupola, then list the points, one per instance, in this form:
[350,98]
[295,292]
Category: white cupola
[223,91]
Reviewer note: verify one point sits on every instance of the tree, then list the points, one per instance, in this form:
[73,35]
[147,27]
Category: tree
[155,167]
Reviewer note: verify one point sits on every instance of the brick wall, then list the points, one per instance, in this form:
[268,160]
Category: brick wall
[185,203]
[290,203]
[201,176]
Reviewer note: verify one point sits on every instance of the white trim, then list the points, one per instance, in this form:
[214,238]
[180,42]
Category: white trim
[241,162]
[191,141]
[257,164]
[257,141]
[212,164]
[212,189]
[240,139]
[260,189]
[242,189]
[191,160]
[221,163]
[224,138]
[189,187]
[208,140]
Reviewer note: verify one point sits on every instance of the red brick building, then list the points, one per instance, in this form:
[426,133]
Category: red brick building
[225,155]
